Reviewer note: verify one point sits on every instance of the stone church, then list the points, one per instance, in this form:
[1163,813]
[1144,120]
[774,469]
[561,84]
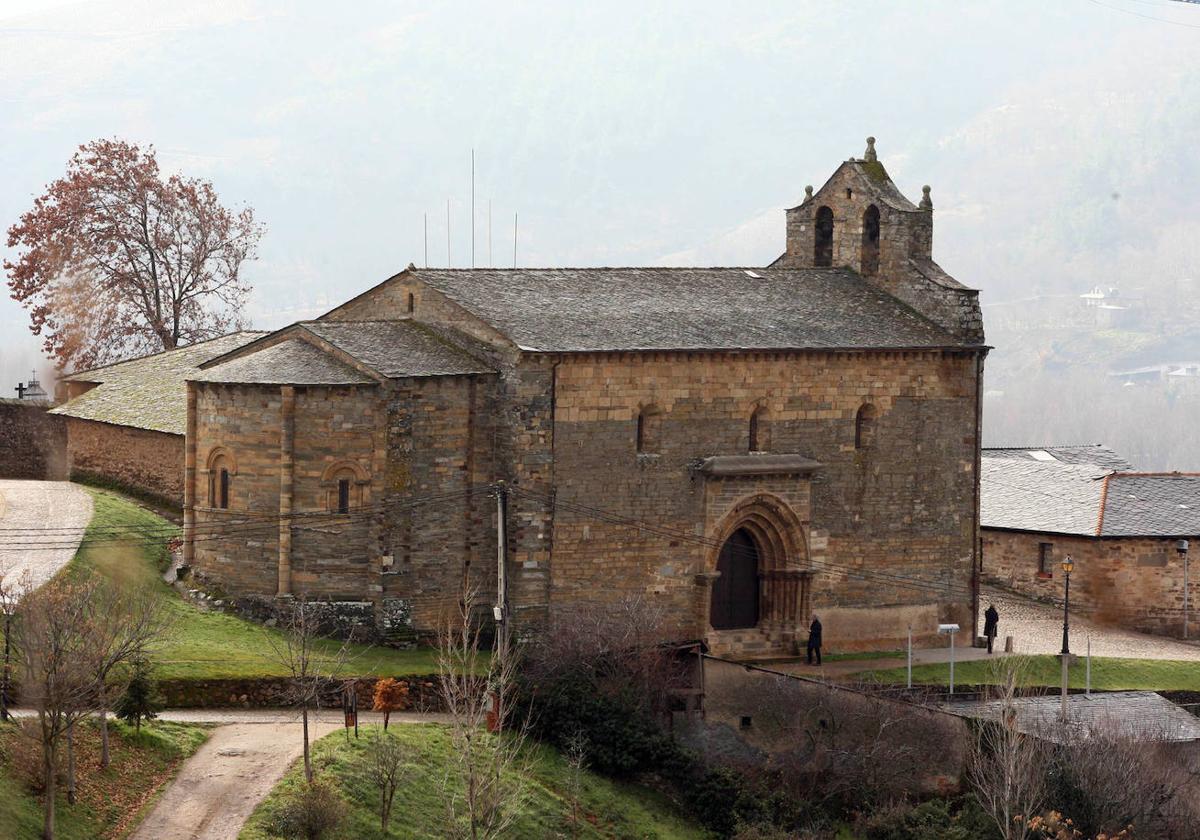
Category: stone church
[747,447]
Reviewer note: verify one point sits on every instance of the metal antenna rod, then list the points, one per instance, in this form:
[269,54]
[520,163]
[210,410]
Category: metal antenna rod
[447,233]
[491,262]
[472,208]
[425,217]
[514,240]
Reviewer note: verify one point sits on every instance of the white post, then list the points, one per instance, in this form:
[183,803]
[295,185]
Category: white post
[951,664]
[910,656]
[1087,685]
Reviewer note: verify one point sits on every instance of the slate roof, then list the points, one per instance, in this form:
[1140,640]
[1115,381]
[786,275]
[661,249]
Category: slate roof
[290,362]
[397,349]
[597,309]
[1137,504]
[391,349]
[1047,497]
[1096,453]
[1086,499]
[150,392]
[1143,715]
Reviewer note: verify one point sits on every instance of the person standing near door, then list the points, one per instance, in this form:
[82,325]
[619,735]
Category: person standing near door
[991,624]
[814,640]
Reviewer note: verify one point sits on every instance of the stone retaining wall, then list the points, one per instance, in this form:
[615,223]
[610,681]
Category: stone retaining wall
[250,693]
[33,444]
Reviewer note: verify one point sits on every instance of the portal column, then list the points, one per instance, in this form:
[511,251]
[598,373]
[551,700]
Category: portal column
[287,471]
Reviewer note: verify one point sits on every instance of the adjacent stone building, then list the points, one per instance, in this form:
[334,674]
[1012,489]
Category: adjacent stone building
[746,447]
[125,421]
[1129,534]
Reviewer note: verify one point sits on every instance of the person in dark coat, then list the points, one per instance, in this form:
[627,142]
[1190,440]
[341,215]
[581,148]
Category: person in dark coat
[814,640]
[991,622]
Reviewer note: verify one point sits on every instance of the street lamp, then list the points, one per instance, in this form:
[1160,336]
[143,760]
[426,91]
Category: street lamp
[1068,565]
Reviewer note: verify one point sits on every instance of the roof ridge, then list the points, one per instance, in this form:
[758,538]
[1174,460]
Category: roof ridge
[1155,474]
[162,352]
[1103,505]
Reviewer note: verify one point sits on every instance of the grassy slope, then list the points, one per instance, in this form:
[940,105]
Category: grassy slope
[610,809]
[111,801]
[205,645]
[1107,674]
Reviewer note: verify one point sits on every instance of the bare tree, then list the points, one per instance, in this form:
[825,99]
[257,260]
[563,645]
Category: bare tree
[1007,768]
[485,779]
[9,588]
[125,625]
[55,644]
[385,766]
[298,649]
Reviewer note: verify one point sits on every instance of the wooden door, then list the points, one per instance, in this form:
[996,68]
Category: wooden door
[735,592]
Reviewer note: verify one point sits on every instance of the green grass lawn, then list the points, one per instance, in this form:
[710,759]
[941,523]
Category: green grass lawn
[205,644]
[608,809]
[1107,674]
[110,802]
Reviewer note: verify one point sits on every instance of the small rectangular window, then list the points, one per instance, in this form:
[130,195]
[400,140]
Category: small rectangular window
[223,500]
[343,505]
[1046,559]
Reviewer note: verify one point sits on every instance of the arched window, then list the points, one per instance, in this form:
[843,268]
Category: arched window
[649,420]
[760,430]
[864,427]
[345,484]
[220,467]
[823,238]
[870,242]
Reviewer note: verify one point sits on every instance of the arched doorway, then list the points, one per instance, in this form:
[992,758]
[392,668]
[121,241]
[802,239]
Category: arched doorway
[735,592]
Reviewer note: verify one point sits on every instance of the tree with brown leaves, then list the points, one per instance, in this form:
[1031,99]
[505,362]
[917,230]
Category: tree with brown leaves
[118,260]
[390,696]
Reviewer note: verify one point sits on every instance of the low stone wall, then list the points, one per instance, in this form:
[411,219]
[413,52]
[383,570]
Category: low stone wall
[33,444]
[423,693]
[139,461]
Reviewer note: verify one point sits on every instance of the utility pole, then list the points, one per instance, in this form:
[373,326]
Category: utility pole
[500,611]
[1182,547]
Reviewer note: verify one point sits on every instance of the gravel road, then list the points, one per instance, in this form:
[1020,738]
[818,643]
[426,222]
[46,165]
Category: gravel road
[41,526]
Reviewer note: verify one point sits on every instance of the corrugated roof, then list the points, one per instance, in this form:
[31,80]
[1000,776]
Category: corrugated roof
[290,362]
[150,392]
[597,309]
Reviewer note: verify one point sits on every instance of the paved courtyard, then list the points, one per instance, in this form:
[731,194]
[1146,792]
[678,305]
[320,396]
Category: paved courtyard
[41,525]
[1037,628]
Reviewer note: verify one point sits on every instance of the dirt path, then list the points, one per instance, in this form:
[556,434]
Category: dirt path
[220,786]
[41,524]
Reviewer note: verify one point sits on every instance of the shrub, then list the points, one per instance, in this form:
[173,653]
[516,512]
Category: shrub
[937,819]
[311,813]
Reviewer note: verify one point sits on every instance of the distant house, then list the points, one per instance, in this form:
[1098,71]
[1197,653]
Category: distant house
[1125,531]
[126,421]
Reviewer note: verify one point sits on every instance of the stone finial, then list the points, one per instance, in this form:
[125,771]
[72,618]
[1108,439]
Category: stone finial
[808,192]
[869,154]
[412,267]
[926,202]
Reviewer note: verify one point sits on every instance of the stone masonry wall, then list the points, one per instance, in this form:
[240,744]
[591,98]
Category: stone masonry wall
[137,459]
[1132,582]
[902,509]
[33,444]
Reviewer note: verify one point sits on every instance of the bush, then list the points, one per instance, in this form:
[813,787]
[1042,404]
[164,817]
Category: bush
[141,699]
[23,753]
[311,813]
[937,819]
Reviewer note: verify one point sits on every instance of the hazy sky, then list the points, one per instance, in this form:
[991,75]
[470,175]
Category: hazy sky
[622,133]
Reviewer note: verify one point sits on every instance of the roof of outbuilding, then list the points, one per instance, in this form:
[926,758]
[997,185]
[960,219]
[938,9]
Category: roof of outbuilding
[599,309]
[293,361]
[1094,453]
[1048,497]
[1086,499]
[1139,504]
[150,392]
